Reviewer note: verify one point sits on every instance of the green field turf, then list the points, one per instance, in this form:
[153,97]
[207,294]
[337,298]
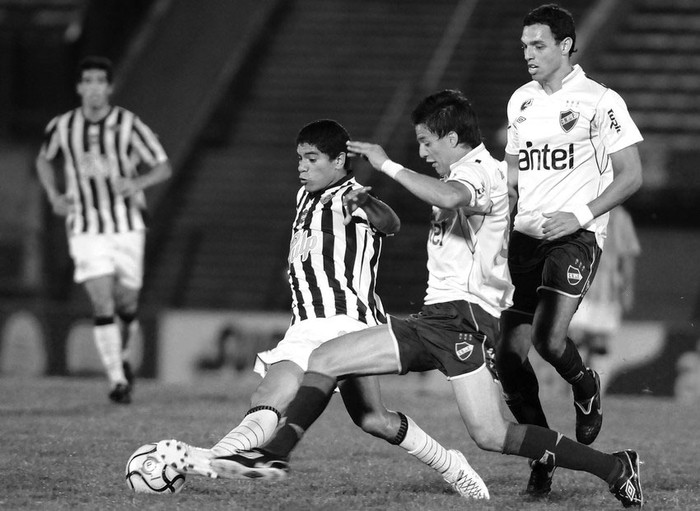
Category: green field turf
[64,446]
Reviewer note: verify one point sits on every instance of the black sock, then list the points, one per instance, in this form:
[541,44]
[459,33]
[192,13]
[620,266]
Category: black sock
[311,399]
[552,448]
[521,390]
[571,367]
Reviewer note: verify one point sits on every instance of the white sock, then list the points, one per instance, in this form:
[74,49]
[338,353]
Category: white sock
[255,429]
[428,450]
[109,345]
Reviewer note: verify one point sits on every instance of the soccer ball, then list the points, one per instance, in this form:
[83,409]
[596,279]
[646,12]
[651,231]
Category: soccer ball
[146,473]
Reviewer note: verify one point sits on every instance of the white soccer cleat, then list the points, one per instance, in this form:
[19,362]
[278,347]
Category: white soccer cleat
[186,459]
[465,480]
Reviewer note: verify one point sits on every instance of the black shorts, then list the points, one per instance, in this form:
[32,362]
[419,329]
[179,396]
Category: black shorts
[566,266]
[455,338]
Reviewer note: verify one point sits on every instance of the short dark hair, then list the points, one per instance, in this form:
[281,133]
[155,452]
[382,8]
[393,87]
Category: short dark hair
[449,110]
[95,62]
[559,20]
[328,136]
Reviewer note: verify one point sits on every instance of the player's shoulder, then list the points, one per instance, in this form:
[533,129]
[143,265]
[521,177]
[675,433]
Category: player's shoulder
[598,91]
[526,90]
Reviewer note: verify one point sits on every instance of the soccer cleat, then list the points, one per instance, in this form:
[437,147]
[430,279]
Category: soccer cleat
[121,394]
[252,464]
[465,480]
[186,459]
[540,482]
[589,415]
[628,487]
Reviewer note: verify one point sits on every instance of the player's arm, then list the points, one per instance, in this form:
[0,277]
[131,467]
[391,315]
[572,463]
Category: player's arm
[60,203]
[512,163]
[160,172]
[379,214]
[627,179]
[443,194]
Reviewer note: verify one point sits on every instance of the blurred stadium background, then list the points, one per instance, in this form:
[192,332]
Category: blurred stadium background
[227,84]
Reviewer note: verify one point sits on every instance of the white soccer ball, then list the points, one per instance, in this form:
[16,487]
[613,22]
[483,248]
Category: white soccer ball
[146,473]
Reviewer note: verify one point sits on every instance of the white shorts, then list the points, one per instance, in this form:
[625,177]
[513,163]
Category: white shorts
[304,337]
[121,255]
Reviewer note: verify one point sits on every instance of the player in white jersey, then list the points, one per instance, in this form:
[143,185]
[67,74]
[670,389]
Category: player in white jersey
[455,331]
[572,157]
[101,147]
[334,253]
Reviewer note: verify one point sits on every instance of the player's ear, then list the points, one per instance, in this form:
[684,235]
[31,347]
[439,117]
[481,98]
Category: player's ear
[566,46]
[340,160]
[453,138]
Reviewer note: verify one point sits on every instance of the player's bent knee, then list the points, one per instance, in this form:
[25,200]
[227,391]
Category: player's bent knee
[487,438]
[375,424]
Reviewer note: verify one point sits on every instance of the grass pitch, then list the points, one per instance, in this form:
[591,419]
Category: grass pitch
[64,447]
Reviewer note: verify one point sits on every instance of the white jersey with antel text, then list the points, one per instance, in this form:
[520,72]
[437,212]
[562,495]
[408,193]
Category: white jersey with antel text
[563,142]
[467,254]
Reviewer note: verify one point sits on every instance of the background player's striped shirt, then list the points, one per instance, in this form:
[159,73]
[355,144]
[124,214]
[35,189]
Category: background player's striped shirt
[332,266]
[94,155]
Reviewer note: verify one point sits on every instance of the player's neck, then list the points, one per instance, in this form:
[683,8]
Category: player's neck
[555,82]
[96,114]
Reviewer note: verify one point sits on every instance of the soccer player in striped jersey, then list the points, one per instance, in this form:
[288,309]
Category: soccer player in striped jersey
[109,157]
[572,157]
[468,288]
[337,235]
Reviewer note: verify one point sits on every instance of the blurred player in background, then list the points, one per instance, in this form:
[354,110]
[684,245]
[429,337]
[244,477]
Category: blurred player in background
[455,331]
[336,242]
[611,294]
[102,147]
[566,134]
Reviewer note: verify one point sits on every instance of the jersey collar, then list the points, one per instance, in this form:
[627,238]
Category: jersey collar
[470,156]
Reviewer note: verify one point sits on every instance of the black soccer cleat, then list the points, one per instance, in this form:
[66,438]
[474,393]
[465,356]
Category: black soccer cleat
[589,414]
[628,487]
[540,483]
[252,464]
[121,394]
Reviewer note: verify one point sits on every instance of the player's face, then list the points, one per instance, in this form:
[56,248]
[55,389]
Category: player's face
[546,59]
[94,88]
[440,152]
[316,170]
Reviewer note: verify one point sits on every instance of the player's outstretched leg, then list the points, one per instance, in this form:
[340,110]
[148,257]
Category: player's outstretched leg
[252,464]
[465,480]
[589,414]
[186,459]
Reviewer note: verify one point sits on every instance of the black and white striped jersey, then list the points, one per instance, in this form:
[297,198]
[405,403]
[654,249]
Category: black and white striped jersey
[332,266]
[94,155]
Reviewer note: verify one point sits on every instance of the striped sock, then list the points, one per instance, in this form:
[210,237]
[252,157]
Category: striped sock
[255,429]
[421,445]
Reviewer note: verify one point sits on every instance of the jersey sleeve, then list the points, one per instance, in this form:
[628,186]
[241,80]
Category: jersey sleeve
[50,145]
[512,139]
[476,179]
[146,144]
[616,127]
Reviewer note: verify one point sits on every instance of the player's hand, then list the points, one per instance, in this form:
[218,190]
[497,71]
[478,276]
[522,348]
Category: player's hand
[374,153]
[559,224]
[61,204]
[353,200]
[125,186]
